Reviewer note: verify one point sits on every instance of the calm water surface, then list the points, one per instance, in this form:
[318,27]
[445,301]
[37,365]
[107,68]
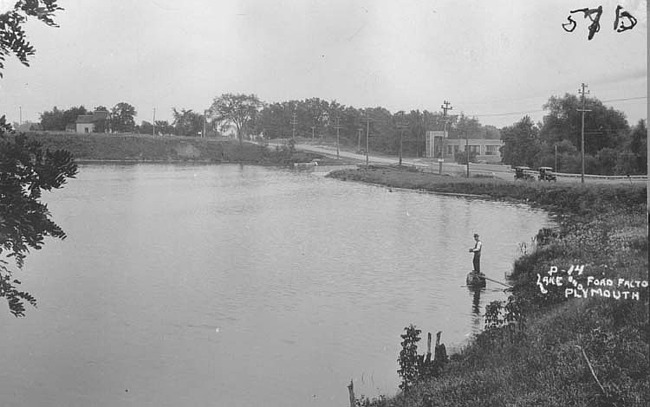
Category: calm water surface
[244,286]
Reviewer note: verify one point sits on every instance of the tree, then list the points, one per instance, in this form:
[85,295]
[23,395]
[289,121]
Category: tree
[163,127]
[274,120]
[145,128]
[53,120]
[638,146]
[313,112]
[58,120]
[187,123]
[12,35]
[123,118]
[521,142]
[466,126]
[237,109]
[414,137]
[383,133]
[102,125]
[26,169]
[604,126]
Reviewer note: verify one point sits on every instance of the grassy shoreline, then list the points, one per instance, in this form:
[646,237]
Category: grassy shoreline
[535,352]
[140,148]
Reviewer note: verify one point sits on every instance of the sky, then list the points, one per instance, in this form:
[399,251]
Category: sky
[496,60]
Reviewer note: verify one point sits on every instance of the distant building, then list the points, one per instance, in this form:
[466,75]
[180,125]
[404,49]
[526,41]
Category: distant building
[229,131]
[486,149]
[90,123]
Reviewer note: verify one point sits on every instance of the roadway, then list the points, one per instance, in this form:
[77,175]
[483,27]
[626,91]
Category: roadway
[432,165]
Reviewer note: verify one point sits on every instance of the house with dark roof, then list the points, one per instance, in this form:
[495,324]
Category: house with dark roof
[89,123]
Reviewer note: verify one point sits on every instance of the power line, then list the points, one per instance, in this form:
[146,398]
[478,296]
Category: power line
[505,114]
[543,110]
[621,100]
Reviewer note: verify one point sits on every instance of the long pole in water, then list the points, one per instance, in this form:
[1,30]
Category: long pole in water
[495,281]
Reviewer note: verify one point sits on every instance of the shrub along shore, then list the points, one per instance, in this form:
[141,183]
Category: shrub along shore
[581,340]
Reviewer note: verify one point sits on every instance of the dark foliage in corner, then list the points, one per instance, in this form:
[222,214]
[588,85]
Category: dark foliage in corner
[26,169]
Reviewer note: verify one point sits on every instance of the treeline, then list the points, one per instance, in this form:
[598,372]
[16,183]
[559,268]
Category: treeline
[611,146]
[119,119]
[246,117]
[317,118]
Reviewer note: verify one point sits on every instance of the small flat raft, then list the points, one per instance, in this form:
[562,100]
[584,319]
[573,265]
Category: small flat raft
[475,280]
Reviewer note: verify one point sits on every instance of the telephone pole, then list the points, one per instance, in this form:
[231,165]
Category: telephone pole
[360,130]
[401,126]
[153,124]
[445,106]
[467,152]
[582,144]
[205,118]
[337,127]
[293,123]
[367,135]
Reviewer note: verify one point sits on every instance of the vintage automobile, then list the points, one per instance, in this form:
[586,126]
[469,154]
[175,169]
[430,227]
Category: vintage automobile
[546,174]
[523,173]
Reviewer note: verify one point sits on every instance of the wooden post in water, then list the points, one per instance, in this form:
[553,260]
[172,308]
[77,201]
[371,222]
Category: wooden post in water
[351,391]
[440,355]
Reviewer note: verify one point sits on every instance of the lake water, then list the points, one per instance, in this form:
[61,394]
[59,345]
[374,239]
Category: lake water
[223,285]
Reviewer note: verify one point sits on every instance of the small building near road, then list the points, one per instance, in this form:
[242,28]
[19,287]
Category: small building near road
[439,146]
[91,123]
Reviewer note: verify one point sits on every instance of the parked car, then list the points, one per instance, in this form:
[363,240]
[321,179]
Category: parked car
[546,174]
[522,172]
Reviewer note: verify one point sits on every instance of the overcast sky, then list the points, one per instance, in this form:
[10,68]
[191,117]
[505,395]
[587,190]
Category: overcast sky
[493,59]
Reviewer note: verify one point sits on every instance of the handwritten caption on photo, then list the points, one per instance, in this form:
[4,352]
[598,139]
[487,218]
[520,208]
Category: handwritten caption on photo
[578,286]
[624,20]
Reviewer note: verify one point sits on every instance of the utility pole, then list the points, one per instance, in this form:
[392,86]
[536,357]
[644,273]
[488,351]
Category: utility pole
[467,152]
[20,122]
[401,126]
[205,113]
[293,123]
[153,124]
[359,142]
[582,146]
[445,106]
[337,127]
[367,135]
[555,168]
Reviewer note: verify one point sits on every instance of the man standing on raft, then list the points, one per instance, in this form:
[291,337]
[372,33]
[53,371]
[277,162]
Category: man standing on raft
[477,254]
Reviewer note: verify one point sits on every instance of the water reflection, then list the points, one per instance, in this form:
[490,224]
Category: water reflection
[477,317]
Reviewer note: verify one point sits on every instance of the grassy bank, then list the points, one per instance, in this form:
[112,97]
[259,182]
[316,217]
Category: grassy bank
[547,348]
[148,148]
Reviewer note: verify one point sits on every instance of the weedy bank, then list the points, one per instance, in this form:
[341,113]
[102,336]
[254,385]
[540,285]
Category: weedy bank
[547,346]
[149,148]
